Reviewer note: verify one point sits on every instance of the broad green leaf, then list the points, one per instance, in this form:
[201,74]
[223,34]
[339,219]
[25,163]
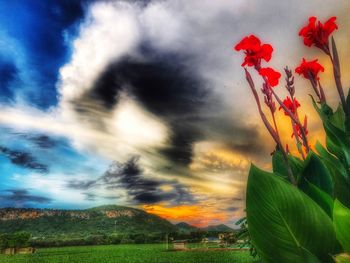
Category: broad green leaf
[316,173]
[282,220]
[279,165]
[348,99]
[341,183]
[324,111]
[341,220]
[337,142]
[324,200]
[347,119]
[331,158]
[338,118]
[308,257]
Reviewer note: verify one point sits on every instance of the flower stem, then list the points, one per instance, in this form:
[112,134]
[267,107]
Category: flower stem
[337,76]
[296,121]
[268,126]
[298,143]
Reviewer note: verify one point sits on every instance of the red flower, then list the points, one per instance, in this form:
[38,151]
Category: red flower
[318,34]
[297,129]
[290,105]
[254,51]
[309,69]
[271,75]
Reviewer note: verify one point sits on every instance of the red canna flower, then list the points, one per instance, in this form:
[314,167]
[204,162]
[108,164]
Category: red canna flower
[297,128]
[271,75]
[309,69]
[290,105]
[254,51]
[317,33]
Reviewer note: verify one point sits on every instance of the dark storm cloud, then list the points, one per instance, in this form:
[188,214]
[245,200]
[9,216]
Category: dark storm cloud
[41,140]
[139,187]
[15,197]
[131,177]
[235,133]
[128,175]
[166,85]
[24,159]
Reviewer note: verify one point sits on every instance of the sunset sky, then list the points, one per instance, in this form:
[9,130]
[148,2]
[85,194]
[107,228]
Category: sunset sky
[144,103]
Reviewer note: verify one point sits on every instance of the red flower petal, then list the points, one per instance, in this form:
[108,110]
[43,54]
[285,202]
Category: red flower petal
[318,34]
[309,67]
[254,51]
[290,105]
[271,75]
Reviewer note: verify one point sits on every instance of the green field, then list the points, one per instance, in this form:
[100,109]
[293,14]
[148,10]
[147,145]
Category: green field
[154,253]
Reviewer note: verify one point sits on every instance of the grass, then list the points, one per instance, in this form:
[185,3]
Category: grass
[150,253]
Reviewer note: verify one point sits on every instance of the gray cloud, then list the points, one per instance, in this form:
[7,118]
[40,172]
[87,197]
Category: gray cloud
[81,185]
[141,188]
[41,140]
[24,159]
[21,198]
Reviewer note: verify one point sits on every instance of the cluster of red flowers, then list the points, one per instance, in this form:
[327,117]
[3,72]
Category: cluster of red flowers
[255,52]
[317,33]
[314,34]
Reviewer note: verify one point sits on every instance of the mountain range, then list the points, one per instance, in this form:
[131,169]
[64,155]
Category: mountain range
[184,227]
[98,220]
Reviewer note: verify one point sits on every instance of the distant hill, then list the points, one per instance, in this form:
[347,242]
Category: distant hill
[98,220]
[218,228]
[186,228]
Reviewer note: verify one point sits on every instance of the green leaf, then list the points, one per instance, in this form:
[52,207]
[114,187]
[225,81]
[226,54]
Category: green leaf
[331,158]
[282,220]
[348,99]
[341,220]
[308,257]
[279,165]
[337,142]
[339,175]
[341,185]
[324,111]
[338,118]
[324,200]
[347,119]
[316,173]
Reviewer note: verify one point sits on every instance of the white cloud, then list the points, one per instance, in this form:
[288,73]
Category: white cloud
[110,31]
[136,127]
[129,129]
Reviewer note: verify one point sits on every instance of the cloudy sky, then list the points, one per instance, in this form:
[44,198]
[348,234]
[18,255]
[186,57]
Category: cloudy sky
[144,103]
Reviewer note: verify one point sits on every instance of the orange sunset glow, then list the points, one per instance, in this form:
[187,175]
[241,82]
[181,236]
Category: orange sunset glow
[199,216]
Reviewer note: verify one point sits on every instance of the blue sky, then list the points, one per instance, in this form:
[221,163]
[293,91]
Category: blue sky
[35,44]
[135,102]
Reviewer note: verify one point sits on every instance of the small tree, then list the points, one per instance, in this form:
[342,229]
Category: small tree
[18,239]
